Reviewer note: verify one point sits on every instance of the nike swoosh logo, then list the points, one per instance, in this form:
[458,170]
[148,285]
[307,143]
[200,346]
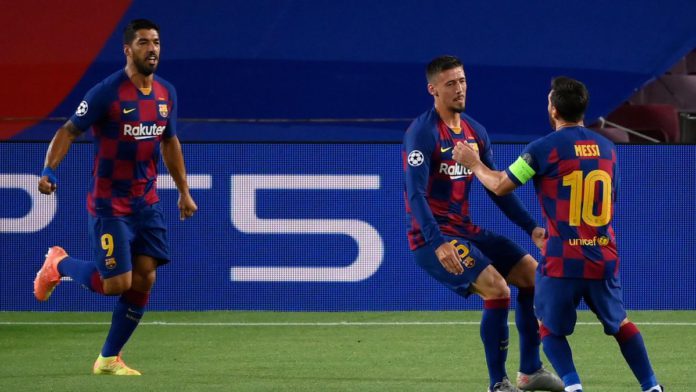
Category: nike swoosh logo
[126,111]
[445,149]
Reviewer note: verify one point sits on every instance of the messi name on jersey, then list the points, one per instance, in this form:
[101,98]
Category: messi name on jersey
[587,149]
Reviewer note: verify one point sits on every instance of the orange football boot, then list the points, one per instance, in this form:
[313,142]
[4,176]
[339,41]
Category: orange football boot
[48,276]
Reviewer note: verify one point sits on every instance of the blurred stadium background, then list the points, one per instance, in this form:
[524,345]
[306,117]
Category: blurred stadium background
[292,113]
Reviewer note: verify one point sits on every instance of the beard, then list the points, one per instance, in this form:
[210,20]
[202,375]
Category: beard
[457,109]
[144,67]
[458,106]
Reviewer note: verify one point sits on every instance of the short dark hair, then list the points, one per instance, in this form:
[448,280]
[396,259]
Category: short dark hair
[569,97]
[135,25]
[439,64]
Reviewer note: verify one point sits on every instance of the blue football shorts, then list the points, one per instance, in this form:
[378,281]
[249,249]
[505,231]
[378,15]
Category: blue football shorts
[116,240]
[556,300]
[476,254]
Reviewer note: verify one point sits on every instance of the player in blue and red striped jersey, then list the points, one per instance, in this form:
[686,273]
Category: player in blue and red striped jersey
[574,172]
[133,116]
[447,245]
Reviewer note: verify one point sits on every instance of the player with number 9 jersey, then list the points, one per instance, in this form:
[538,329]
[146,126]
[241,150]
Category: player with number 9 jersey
[128,126]
[133,116]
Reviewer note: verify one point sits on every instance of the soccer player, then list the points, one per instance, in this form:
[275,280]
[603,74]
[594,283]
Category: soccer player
[574,172]
[448,246]
[133,116]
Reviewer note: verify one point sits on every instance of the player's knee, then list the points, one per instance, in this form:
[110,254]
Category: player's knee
[501,290]
[522,274]
[115,289]
[497,290]
[524,281]
[144,273]
[144,280]
[491,285]
[117,285]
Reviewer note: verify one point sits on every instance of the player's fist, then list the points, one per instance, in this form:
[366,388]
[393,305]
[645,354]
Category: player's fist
[46,186]
[539,237]
[187,207]
[465,155]
[449,258]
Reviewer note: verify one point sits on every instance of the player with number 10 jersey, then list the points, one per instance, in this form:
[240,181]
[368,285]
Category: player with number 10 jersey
[575,175]
[574,172]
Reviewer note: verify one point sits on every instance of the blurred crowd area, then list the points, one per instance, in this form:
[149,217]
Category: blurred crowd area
[663,111]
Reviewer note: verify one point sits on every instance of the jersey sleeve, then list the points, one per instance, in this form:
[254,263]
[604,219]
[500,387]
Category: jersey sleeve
[509,204]
[93,107]
[171,128]
[527,165]
[486,153]
[419,145]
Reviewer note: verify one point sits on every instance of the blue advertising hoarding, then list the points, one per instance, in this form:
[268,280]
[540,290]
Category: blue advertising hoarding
[321,227]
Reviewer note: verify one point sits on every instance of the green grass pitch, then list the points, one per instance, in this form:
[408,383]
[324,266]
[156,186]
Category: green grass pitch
[268,351]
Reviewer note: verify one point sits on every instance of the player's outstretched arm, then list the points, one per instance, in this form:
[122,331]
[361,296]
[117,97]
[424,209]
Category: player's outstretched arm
[174,160]
[495,181]
[57,150]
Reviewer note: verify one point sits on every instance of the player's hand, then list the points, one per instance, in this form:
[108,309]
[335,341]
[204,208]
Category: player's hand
[449,258]
[465,155]
[539,237]
[187,207]
[47,187]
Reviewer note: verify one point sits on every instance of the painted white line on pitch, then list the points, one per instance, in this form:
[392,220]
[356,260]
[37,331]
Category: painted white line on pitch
[304,324]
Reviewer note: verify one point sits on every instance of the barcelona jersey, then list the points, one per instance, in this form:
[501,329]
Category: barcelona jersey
[574,171]
[128,126]
[437,187]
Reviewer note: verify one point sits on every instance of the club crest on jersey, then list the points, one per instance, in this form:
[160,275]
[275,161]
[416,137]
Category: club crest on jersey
[163,109]
[110,262]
